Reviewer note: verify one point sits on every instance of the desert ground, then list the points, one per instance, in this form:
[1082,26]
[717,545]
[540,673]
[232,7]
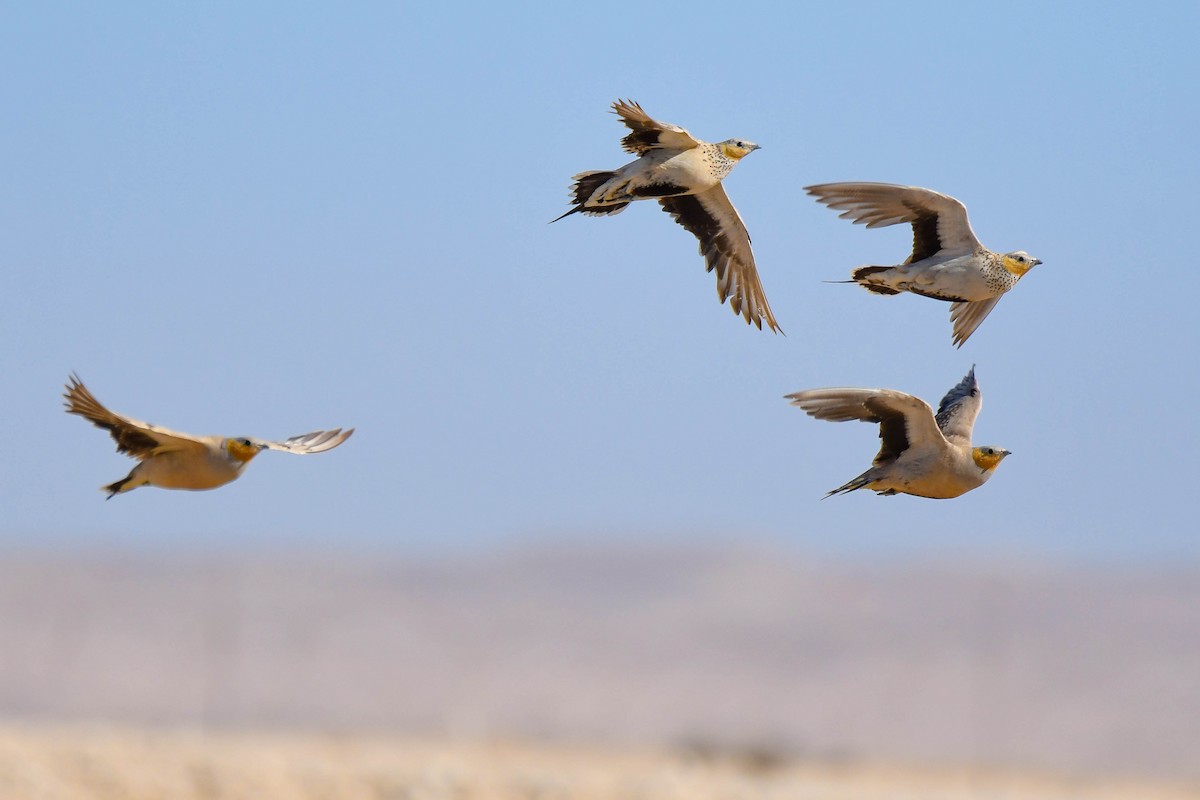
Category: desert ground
[82,763]
[699,670]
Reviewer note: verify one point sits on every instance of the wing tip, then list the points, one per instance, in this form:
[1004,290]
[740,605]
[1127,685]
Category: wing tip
[620,105]
[76,396]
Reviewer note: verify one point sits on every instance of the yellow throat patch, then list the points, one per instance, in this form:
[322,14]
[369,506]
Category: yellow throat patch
[241,452]
[734,152]
[986,458]
[1016,267]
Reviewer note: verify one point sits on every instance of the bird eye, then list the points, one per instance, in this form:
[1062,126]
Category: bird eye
[1021,259]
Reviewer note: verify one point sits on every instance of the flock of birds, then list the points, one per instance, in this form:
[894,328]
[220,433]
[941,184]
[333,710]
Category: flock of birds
[923,453]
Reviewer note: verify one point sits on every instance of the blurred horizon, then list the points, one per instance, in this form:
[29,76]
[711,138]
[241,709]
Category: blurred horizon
[577,505]
[1019,666]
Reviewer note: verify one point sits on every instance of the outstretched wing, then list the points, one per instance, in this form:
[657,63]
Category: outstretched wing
[307,443]
[133,437]
[939,222]
[725,245]
[957,412]
[904,421]
[968,316]
[650,134]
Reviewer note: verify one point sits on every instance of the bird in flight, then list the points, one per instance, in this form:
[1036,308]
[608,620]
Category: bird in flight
[947,262]
[684,175]
[173,460]
[922,453]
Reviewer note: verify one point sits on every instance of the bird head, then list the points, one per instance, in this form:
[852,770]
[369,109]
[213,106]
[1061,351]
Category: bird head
[987,458]
[1019,262]
[242,450]
[737,149]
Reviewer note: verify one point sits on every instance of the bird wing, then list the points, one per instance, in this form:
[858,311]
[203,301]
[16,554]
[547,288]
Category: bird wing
[133,437]
[968,316]
[957,412]
[307,443]
[725,245]
[939,222]
[904,421]
[650,134]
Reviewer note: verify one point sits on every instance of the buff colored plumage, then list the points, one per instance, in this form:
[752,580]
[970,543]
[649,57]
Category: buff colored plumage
[684,175]
[921,454]
[947,262]
[173,460]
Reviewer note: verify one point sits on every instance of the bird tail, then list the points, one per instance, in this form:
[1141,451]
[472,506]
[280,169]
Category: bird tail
[118,487]
[862,276]
[586,184]
[858,483]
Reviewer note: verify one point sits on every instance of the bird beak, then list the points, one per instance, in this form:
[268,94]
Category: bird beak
[1036,261]
[756,147]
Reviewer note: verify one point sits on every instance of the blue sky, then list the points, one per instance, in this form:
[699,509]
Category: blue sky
[264,220]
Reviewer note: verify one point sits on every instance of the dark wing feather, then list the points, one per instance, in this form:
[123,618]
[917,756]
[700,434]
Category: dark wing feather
[725,245]
[926,241]
[939,221]
[893,432]
[133,437]
[649,134]
[903,419]
[957,412]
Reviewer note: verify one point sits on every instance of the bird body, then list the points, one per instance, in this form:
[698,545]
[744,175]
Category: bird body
[947,263]
[921,453]
[684,174]
[659,173]
[172,460]
[211,465]
[970,278]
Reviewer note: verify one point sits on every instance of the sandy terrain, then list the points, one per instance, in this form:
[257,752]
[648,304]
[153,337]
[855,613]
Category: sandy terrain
[1090,673]
[124,764]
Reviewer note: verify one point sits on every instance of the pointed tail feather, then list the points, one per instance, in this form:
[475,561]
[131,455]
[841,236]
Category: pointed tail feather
[569,213]
[858,483]
[862,275]
[118,487]
[586,184]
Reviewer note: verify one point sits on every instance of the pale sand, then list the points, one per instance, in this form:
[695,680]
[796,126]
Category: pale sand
[85,763]
[1081,671]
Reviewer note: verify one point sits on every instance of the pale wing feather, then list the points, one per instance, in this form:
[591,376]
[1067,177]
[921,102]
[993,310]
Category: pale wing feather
[308,443]
[649,134]
[725,245]
[880,204]
[969,316]
[133,437]
[905,422]
[836,404]
[844,404]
